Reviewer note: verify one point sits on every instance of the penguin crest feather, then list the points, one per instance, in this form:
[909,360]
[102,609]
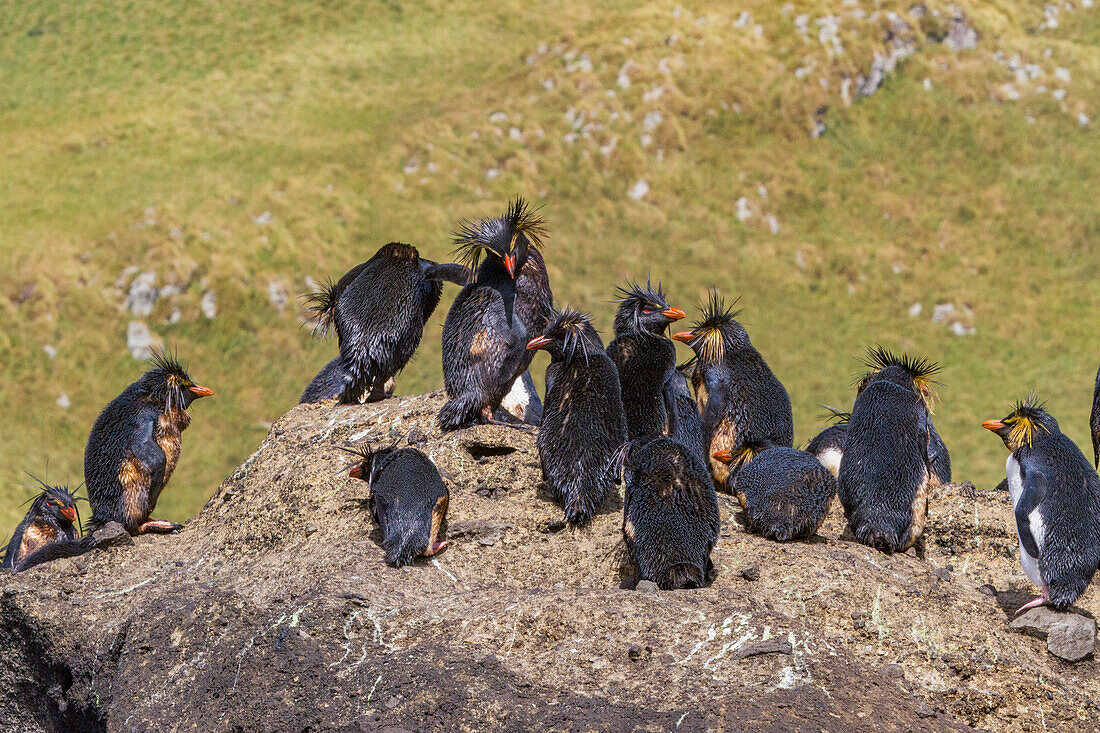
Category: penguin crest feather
[498,235]
[709,340]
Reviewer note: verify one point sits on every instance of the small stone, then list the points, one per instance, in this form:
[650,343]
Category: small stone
[750,572]
[943,574]
[647,586]
[638,190]
[911,552]
[111,534]
[143,294]
[988,590]
[893,672]
[774,645]
[139,340]
[859,624]
[942,312]
[263,219]
[207,305]
[915,309]
[277,294]
[310,529]
[51,351]
[486,541]
[63,401]
[924,711]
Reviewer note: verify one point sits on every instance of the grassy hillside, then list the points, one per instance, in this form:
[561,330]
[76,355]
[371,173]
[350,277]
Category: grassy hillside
[241,153]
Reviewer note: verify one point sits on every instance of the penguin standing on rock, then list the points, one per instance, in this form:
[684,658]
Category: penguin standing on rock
[670,517]
[408,499]
[785,493]
[1056,503]
[644,357]
[739,397]
[583,422]
[491,320]
[828,445]
[1094,422]
[135,444]
[886,471]
[51,521]
[379,309]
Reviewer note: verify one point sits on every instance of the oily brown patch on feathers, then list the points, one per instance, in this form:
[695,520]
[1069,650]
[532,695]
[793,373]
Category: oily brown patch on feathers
[35,536]
[480,344]
[170,426]
[134,477]
[725,436]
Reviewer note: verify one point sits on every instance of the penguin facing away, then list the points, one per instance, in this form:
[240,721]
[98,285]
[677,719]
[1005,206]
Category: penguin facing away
[670,517]
[739,397]
[134,445]
[785,493]
[583,424]
[51,520]
[1055,502]
[378,309]
[886,471]
[408,500]
[1094,422]
[643,356]
[491,320]
[828,445]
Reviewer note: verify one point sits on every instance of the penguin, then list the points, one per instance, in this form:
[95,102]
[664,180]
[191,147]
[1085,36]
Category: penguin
[828,445]
[886,471]
[583,423]
[739,397]
[1094,422]
[522,401]
[1055,502]
[643,356]
[379,309]
[785,493]
[134,446]
[51,520]
[670,517]
[684,423]
[408,500]
[506,304]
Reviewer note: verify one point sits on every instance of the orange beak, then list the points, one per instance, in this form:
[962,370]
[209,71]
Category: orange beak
[993,425]
[673,314]
[724,456]
[510,265]
[199,391]
[356,471]
[69,513]
[538,342]
[685,336]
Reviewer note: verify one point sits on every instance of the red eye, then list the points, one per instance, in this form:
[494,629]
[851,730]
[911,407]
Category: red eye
[645,310]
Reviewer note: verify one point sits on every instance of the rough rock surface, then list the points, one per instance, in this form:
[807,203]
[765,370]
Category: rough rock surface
[1069,636]
[272,611]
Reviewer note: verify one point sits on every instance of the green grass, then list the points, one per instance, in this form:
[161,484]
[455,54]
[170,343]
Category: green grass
[150,136]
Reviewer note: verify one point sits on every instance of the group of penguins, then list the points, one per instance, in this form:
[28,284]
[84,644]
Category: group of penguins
[624,414]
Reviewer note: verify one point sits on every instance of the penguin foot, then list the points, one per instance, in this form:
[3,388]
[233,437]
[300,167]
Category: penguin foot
[436,548]
[159,526]
[1042,599]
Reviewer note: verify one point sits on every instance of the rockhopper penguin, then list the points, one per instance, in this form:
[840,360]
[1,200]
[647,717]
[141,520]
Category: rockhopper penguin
[1056,503]
[135,444]
[886,471]
[644,357]
[408,499]
[378,309]
[785,493]
[670,517]
[51,521]
[491,320]
[828,445]
[739,397]
[583,424]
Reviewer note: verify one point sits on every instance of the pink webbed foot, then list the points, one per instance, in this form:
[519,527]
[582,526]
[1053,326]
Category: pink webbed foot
[159,526]
[1033,604]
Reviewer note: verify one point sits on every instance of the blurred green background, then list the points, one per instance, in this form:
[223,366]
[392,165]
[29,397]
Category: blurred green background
[239,151]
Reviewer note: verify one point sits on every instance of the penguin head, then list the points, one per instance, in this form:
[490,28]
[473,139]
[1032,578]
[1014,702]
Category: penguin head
[504,241]
[371,459]
[570,335]
[644,310]
[914,373]
[1027,421]
[167,383]
[717,332]
[739,457]
[55,506]
[399,252]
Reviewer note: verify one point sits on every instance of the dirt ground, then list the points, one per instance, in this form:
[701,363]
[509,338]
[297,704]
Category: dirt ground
[273,611]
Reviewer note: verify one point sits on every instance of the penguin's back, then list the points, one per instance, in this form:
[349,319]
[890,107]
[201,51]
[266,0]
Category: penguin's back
[758,400]
[786,493]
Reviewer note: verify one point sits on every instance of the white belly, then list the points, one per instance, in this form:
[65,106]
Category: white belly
[830,459]
[518,398]
[1038,531]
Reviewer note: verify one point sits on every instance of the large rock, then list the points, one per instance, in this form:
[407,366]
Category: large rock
[1069,636]
[273,611]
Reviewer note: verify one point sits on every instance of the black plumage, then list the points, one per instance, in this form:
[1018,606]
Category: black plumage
[408,500]
[1094,422]
[134,446]
[491,320]
[644,357]
[828,445]
[740,399]
[785,493]
[51,522]
[886,471]
[379,309]
[583,423]
[670,517]
[1055,501]
[684,423]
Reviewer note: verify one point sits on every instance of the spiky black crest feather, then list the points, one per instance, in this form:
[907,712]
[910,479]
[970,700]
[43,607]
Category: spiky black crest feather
[498,235]
[60,494]
[835,416]
[709,341]
[920,370]
[636,298]
[169,362]
[323,305]
[575,328]
[1026,417]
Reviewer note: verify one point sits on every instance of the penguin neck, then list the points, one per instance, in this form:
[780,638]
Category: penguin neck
[492,274]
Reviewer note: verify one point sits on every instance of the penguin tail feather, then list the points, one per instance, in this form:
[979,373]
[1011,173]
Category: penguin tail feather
[399,550]
[459,412]
[685,575]
[323,305]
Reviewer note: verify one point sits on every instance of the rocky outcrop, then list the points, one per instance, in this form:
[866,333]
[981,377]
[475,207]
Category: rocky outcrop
[273,611]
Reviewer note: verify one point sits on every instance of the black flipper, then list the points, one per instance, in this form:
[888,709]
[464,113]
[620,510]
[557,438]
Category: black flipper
[144,447]
[1035,489]
[56,551]
[451,272]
